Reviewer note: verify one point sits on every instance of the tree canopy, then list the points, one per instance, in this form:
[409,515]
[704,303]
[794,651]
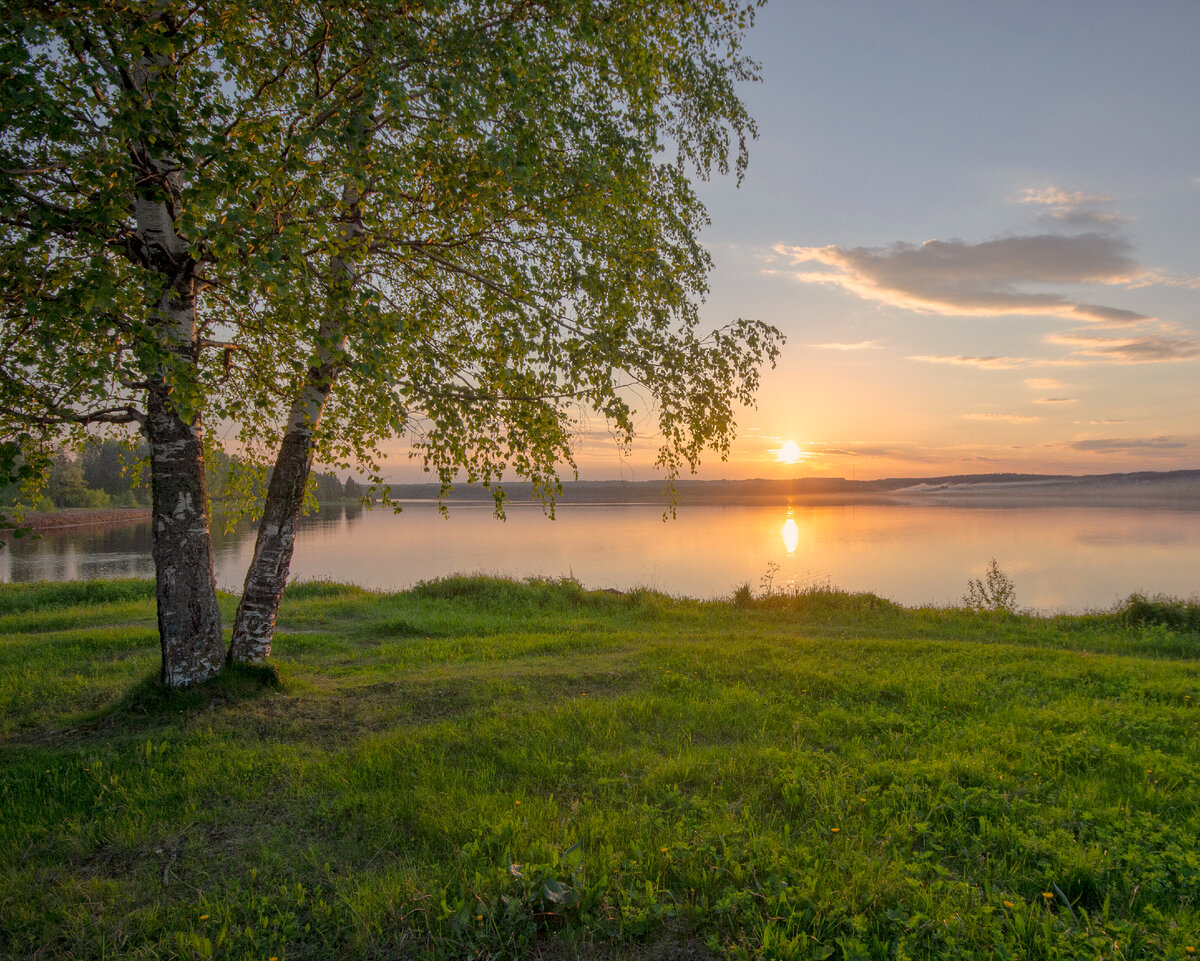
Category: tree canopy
[470,223]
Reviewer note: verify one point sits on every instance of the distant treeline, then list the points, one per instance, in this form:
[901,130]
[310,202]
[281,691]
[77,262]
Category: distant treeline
[109,473]
[772,491]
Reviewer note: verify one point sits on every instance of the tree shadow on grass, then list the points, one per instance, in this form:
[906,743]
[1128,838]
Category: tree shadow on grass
[150,698]
[150,704]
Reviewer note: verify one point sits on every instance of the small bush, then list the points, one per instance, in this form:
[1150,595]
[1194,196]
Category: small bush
[1173,612]
[996,592]
[743,597]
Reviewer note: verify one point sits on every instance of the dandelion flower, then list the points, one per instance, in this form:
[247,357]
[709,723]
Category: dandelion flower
[1008,904]
[664,850]
[1048,896]
[835,830]
[204,917]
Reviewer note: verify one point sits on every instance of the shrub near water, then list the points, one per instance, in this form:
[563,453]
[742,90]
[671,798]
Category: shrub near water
[537,769]
[1171,612]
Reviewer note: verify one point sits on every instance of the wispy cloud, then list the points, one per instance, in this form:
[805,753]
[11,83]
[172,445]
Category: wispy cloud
[1006,418]
[953,277]
[984,363]
[1044,383]
[1057,197]
[1055,400]
[1114,445]
[1071,208]
[1154,348]
[868,449]
[861,345]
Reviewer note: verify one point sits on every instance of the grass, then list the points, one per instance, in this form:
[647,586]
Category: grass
[483,768]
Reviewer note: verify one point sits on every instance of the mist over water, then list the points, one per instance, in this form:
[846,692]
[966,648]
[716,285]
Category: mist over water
[1060,558]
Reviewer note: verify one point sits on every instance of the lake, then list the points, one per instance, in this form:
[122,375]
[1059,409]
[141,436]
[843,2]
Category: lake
[1060,558]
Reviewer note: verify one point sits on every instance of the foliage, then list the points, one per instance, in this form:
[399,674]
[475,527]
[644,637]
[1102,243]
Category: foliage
[1172,612]
[109,472]
[996,592]
[526,259]
[476,220]
[599,775]
[106,106]
[523,257]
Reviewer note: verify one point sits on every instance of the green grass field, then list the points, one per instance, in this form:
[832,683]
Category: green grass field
[480,768]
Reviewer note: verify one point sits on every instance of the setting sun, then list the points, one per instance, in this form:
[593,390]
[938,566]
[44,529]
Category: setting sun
[789,453]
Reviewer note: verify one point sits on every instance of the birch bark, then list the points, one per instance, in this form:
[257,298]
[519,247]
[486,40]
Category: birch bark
[189,620]
[254,623]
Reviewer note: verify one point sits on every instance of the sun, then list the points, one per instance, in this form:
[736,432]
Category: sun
[789,453]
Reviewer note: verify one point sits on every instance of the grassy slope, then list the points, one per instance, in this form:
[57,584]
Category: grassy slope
[484,768]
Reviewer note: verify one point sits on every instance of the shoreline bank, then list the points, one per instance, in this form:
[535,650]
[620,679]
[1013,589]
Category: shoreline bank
[82,517]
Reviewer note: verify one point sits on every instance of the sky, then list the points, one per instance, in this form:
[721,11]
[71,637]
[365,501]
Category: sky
[976,224]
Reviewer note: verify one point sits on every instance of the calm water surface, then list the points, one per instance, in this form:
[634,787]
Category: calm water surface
[1059,558]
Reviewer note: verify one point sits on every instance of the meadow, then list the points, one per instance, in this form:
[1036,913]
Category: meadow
[481,768]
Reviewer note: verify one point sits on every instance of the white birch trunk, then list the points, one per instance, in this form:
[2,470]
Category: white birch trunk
[189,620]
[254,623]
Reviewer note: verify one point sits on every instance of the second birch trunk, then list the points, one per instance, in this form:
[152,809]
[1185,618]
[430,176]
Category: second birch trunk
[254,623]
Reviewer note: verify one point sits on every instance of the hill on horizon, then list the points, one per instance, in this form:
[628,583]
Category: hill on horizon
[1140,486]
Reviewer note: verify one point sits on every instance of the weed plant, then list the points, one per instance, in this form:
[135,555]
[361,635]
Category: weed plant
[994,592]
[480,768]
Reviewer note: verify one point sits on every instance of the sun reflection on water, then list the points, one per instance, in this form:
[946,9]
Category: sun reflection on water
[790,533]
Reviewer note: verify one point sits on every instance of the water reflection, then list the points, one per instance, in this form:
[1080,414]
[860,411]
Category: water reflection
[791,534]
[914,554]
[78,553]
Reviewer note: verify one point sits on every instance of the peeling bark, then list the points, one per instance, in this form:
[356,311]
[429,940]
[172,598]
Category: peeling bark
[254,623]
[189,620]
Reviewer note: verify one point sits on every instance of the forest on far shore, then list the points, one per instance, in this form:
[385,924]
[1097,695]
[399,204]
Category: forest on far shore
[111,473]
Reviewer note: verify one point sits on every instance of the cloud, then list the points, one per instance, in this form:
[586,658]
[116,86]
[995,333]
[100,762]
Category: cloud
[952,277]
[1084,219]
[861,345]
[1044,383]
[1057,197]
[1071,208]
[866,449]
[1006,418]
[984,363]
[1055,400]
[1116,445]
[1152,348]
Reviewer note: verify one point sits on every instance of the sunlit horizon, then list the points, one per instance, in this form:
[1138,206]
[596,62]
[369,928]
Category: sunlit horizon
[971,280]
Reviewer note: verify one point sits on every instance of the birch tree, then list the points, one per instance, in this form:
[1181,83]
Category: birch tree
[110,114]
[470,223]
[514,248]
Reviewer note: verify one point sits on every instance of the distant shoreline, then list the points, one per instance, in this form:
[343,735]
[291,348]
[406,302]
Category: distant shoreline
[82,517]
[1174,489]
